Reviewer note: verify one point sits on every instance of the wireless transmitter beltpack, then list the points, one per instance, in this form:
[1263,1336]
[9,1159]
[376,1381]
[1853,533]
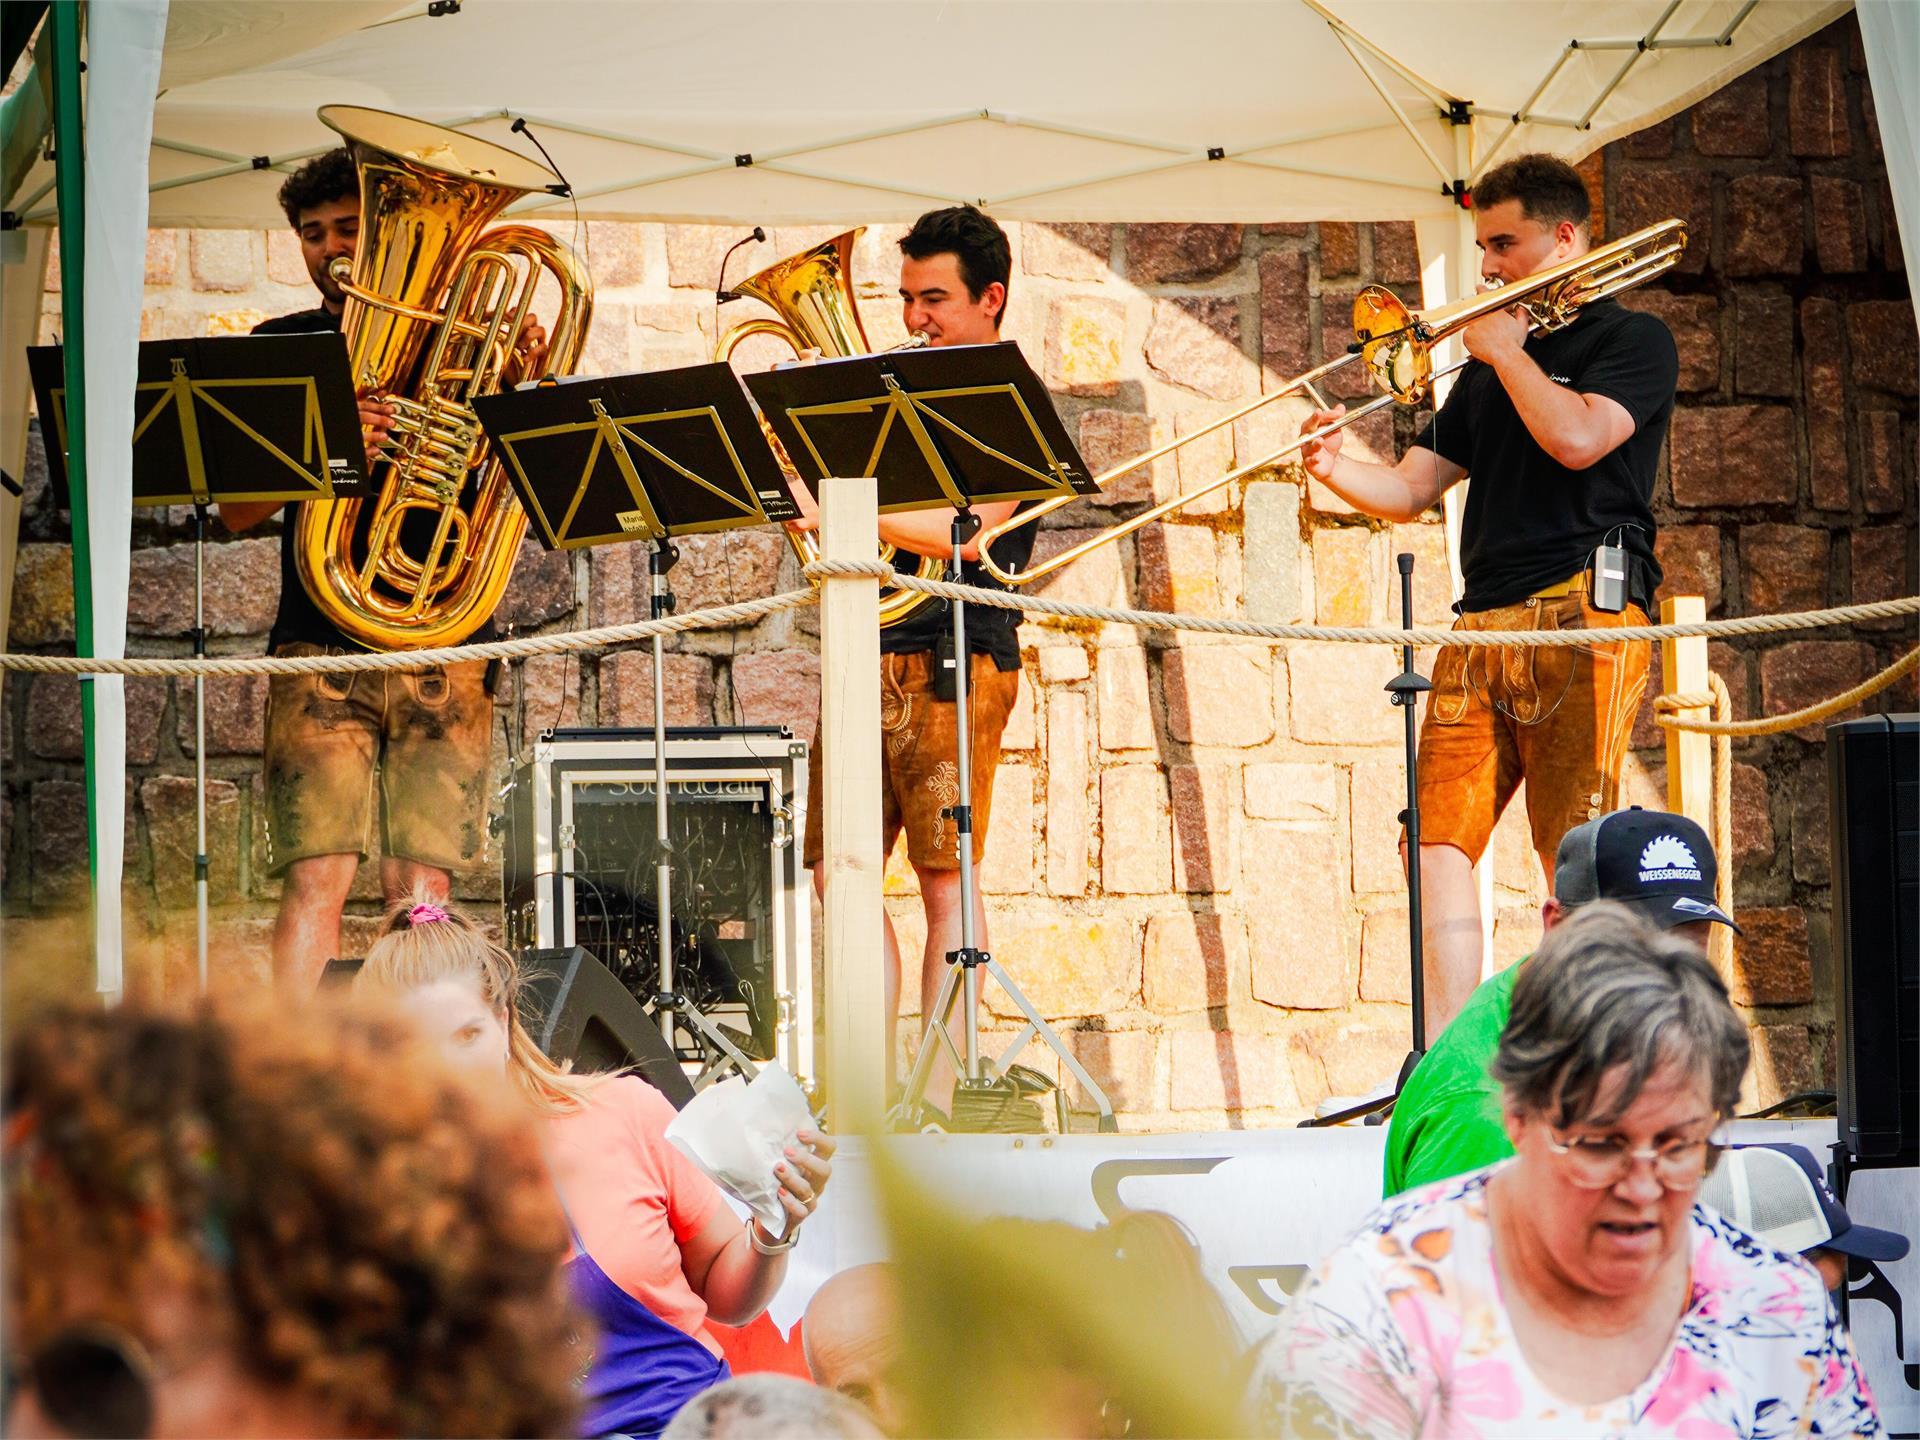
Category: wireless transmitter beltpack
[1607,586]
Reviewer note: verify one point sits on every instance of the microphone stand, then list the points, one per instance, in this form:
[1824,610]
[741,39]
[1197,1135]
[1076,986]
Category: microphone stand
[1405,690]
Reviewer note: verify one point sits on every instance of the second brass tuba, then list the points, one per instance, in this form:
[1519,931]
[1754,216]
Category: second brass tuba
[436,303]
[811,296]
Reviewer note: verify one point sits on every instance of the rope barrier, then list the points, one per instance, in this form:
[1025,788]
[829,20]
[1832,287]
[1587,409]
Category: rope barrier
[1367,634]
[748,611]
[605,637]
[1721,727]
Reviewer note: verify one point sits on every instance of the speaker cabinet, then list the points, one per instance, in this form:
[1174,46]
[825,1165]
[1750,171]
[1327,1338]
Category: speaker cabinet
[1873,770]
[580,859]
[580,1012]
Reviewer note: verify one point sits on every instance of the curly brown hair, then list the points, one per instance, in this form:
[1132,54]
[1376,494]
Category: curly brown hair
[358,1226]
[322,180]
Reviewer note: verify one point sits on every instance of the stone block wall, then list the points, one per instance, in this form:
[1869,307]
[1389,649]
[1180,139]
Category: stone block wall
[1192,863]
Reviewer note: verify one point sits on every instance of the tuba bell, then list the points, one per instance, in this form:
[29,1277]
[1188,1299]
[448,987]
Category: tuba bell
[811,296]
[436,303]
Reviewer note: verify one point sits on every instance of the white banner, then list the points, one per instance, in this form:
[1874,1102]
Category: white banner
[124,41]
[1263,1206]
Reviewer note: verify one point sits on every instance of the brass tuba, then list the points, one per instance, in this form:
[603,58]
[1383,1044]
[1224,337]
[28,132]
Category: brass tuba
[436,303]
[812,295]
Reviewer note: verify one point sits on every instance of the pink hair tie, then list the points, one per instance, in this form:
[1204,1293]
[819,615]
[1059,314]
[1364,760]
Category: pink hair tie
[425,915]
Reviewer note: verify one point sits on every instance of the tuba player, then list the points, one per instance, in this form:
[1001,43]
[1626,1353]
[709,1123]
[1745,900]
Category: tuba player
[413,742]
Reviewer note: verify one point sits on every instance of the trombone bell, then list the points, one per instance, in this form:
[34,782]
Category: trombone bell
[1390,345]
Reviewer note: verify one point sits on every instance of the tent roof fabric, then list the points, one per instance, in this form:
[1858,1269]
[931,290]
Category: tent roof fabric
[771,111]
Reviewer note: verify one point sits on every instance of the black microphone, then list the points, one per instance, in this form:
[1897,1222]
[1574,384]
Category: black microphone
[520,127]
[721,295]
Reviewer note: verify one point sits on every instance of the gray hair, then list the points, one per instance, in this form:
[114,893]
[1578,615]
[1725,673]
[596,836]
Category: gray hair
[769,1407]
[1604,991]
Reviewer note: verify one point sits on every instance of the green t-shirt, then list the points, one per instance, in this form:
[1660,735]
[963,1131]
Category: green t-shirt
[1447,1119]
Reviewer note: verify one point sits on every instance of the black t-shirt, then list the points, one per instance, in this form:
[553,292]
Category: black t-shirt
[299,620]
[990,630]
[1530,521]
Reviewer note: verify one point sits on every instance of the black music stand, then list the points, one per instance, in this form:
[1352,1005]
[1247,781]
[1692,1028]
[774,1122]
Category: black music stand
[958,426]
[236,417]
[600,460]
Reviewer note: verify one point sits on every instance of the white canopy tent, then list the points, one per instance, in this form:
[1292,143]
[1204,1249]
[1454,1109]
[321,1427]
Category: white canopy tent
[845,111]
[850,111]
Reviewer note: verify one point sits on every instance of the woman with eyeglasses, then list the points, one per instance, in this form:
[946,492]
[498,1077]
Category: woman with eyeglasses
[1577,1289]
[236,1222]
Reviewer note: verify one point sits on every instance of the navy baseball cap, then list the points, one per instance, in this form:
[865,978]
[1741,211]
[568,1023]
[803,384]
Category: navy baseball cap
[1779,1194]
[1659,864]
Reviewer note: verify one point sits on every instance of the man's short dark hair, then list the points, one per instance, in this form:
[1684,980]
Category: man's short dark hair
[1548,188]
[321,181]
[973,238]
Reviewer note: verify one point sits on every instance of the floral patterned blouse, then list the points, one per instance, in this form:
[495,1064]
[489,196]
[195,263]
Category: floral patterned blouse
[1401,1332]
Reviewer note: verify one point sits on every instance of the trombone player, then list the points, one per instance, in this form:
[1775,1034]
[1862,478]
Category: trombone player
[955,265]
[1561,434]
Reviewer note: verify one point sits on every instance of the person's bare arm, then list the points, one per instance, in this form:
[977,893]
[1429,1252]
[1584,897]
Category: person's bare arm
[238,515]
[1400,491]
[1577,430]
[376,422]
[919,532]
[720,1262]
[930,532]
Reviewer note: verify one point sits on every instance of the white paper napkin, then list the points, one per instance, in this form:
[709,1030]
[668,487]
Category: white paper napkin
[737,1132]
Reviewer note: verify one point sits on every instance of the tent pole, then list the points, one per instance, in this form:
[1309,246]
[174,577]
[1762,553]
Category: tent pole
[70,168]
[1455,506]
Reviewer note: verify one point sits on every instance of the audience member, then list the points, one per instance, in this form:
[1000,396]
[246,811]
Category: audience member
[1777,1194]
[223,1222]
[1447,1119]
[770,1407]
[1577,1289]
[657,1250]
[851,1335]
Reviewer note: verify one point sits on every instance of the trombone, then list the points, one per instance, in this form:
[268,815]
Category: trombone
[1396,345]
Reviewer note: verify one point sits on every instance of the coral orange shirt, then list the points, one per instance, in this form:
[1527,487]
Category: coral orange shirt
[633,1198]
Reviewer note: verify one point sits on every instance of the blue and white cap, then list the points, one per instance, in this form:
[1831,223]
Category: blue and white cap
[1659,864]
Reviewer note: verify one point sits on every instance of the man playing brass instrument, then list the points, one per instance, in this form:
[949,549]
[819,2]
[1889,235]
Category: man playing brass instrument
[426,731]
[954,268]
[1561,434]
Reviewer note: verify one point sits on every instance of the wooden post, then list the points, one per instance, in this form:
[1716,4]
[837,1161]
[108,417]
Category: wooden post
[1683,671]
[855,1066]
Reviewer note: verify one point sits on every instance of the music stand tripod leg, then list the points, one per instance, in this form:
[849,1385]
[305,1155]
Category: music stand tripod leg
[671,1007]
[200,743]
[661,606]
[968,960]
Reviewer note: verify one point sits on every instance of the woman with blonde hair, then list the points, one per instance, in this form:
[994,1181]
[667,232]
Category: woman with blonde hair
[657,1253]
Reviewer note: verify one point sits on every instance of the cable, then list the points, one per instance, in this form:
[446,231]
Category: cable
[582,237]
[721,295]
